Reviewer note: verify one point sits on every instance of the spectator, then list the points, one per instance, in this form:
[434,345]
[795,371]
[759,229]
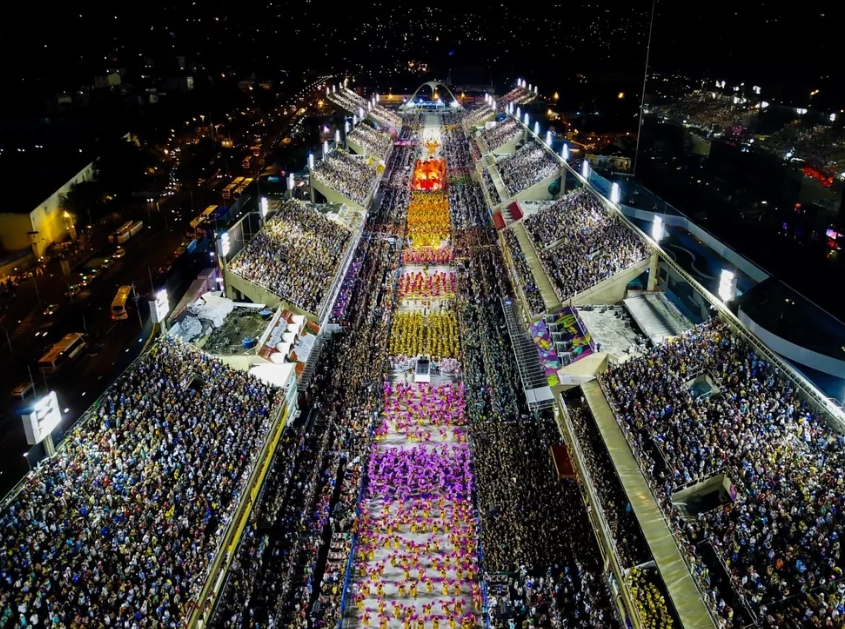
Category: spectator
[353,177]
[296,255]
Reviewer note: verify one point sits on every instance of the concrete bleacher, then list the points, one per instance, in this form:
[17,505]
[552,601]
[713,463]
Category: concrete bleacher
[547,291]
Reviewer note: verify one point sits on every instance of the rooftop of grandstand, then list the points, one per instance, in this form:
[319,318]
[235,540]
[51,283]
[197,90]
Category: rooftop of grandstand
[296,255]
[126,518]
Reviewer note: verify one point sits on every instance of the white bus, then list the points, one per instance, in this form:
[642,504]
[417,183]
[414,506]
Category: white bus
[62,353]
[120,232]
[118,305]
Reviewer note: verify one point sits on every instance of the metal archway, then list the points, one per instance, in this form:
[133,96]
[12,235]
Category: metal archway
[433,85]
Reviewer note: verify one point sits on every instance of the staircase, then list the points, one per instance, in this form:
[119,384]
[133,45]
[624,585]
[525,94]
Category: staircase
[527,360]
[311,364]
[547,291]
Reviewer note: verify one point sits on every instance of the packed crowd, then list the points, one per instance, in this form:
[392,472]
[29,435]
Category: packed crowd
[348,100]
[702,109]
[651,603]
[416,551]
[502,133]
[630,544]
[376,143]
[385,117]
[428,219]
[119,528]
[353,177]
[475,151]
[427,285]
[296,255]
[821,145]
[477,117]
[528,165]
[295,578]
[490,187]
[518,96]
[523,274]
[428,255]
[779,537]
[581,243]
[415,334]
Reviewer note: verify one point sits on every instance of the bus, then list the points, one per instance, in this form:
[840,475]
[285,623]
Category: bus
[118,304]
[228,190]
[114,237]
[247,162]
[247,182]
[62,353]
[197,224]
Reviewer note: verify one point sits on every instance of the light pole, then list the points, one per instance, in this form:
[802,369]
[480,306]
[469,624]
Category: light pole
[28,464]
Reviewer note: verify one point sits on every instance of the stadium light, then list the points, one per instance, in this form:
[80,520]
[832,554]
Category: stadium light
[657,229]
[455,104]
[519,82]
[526,118]
[360,112]
[536,127]
[518,112]
[265,207]
[325,149]
[328,91]
[529,87]
[536,89]
[564,152]
[614,193]
[346,126]
[727,285]
[310,161]
[549,137]
[585,169]
[225,244]
[334,89]
[291,182]
[337,136]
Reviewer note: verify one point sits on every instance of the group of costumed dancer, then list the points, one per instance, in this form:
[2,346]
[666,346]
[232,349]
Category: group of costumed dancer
[421,284]
[428,219]
[416,554]
[417,540]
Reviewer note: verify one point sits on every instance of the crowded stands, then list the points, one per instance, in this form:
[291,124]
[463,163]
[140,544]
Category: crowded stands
[477,117]
[529,164]
[385,117]
[296,255]
[353,177]
[490,187]
[779,536]
[821,145]
[348,100]
[376,143]
[504,132]
[523,274]
[122,524]
[581,243]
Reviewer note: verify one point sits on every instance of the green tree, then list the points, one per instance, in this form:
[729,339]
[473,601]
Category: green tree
[85,200]
[123,166]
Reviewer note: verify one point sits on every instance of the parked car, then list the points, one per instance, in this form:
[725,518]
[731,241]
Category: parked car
[50,310]
[119,253]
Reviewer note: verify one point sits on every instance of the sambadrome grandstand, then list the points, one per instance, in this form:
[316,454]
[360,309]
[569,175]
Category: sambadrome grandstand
[459,387]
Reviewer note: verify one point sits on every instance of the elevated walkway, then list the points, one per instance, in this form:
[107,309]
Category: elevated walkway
[547,292]
[685,595]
